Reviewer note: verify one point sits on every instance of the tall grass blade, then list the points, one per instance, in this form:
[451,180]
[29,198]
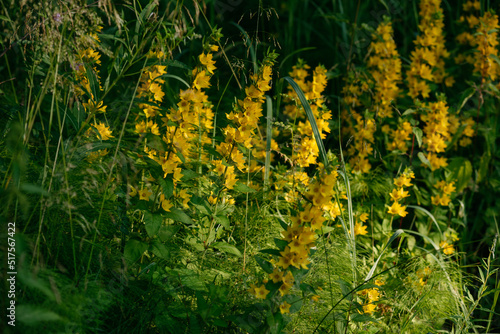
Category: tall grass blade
[393,237]
[310,117]
[416,207]
[269,133]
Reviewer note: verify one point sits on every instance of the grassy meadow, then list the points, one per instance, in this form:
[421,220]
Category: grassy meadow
[230,166]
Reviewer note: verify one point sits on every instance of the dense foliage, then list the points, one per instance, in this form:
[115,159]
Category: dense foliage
[250,166]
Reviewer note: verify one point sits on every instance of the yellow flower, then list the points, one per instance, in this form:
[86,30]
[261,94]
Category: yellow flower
[94,107]
[402,181]
[447,248]
[157,91]
[261,292]
[398,194]
[276,275]
[201,81]
[285,308]
[144,194]
[132,191]
[397,209]
[206,60]
[360,229]
[165,203]
[103,130]
[315,298]
[363,217]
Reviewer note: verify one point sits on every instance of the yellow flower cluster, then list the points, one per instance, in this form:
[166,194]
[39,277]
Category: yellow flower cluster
[362,146]
[450,236]
[399,193]
[468,132]
[371,296]
[436,132]
[427,60]
[247,112]
[423,275]
[359,228]
[399,137]
[302,233]
[90,57]
[443,197]
[385,68]
[244,121]
[484,40]
[305,149]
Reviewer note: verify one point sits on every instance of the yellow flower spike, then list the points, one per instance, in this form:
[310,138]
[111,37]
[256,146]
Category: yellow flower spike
[315,298]
[285,308]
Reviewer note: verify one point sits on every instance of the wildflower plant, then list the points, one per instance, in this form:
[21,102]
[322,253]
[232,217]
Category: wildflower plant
[166,175]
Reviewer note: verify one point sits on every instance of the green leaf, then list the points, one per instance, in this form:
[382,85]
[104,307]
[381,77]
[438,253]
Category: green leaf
[424,160]
[271,251]
[227,248]
[356,317]
[461,170]
[153,223]
[304,287]
[265,265]
[166,232]
[159,249]
[408,112]
[483,167]
[32,315]
[326,229]
[33,189]
[393,237]
[167,186]
[411,242]
[466,95]
[344,287]
[243,188]
[190,279]
[281,244]
[179,215]
[134,250]
[188,174]
[428,214]
[418,134]
[224,221]
[93,83]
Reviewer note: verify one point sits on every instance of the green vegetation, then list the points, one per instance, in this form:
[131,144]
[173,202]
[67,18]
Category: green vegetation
[237,166]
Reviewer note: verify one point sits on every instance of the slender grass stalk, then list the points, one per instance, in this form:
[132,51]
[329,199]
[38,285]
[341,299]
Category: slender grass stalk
[113,164]
[246,211]
[269,133]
